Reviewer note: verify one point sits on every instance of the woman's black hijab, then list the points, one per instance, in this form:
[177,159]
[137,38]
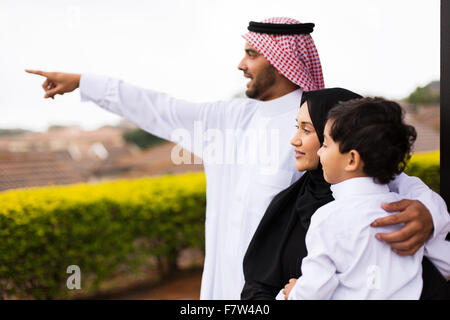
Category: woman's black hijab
[263,269]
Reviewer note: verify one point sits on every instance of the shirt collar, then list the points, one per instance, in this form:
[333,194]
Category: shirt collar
[282,104]
[358,186]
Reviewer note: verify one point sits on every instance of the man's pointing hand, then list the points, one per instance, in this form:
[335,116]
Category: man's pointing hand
[57,82]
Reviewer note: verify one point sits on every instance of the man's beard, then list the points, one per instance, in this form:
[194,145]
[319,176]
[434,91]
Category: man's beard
[262,83]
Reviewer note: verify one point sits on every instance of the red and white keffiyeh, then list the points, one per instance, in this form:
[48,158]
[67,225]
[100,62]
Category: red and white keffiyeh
[295,56]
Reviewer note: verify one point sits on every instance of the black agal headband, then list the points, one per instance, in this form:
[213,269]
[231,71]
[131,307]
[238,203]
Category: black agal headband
[280,28]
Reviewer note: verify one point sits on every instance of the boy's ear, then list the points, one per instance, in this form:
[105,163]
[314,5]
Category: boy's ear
[354,162]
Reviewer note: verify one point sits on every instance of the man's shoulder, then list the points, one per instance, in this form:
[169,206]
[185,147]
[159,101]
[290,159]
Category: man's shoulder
[239,105]
[234,111]
[242,102]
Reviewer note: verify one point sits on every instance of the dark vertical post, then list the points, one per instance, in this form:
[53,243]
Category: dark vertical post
[445,101]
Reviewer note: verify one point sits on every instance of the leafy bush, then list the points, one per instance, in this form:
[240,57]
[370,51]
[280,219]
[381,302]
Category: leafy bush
[97,227]
[426,166]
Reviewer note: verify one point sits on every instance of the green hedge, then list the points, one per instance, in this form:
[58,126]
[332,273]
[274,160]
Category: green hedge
[109,225]
[97,227]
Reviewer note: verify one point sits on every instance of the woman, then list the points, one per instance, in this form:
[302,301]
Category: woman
[278,246]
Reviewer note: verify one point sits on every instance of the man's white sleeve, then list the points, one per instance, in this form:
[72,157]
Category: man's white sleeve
[280,295]
[319,279]
[156,112]
[414,188]
[438,251]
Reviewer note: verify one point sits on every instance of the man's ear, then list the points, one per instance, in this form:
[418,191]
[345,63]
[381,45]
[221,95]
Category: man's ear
[354,162]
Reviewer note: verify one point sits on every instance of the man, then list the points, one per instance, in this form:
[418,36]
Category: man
[281,61]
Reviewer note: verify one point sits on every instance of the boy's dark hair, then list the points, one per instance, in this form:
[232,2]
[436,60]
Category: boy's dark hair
[375,128]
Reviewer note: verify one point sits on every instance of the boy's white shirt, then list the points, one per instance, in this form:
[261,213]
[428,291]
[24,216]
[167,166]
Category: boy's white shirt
[346,261]
[237,195]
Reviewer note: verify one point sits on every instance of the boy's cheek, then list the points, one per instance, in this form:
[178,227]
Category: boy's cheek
[324,163]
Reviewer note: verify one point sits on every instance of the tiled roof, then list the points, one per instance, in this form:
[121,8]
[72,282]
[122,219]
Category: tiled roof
[156,161]
[29,169]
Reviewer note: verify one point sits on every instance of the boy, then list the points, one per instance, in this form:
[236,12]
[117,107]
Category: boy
[366,143]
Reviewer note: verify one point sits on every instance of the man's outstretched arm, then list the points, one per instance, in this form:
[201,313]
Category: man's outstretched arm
[155,112]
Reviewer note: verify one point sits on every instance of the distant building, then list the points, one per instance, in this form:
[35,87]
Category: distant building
[31,169]
[69,155]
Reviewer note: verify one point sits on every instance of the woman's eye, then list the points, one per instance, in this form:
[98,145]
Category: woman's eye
[306,130]
[296,126]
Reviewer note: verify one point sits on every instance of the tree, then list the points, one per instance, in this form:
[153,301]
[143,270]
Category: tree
[11,132]
[425,95]
[141,138]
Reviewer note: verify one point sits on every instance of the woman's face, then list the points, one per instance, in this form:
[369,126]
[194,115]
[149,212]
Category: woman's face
[305,141]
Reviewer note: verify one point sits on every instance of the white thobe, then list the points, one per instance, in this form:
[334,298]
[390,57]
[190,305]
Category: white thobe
[239,187]
[344,259]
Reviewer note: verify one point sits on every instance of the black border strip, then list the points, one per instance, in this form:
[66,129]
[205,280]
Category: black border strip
[445,101]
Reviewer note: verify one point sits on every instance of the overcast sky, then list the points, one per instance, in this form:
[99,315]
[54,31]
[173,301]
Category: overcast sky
[191,49]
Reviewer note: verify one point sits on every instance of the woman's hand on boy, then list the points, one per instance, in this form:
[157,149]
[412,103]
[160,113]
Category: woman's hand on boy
[416,231]
[288,287]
